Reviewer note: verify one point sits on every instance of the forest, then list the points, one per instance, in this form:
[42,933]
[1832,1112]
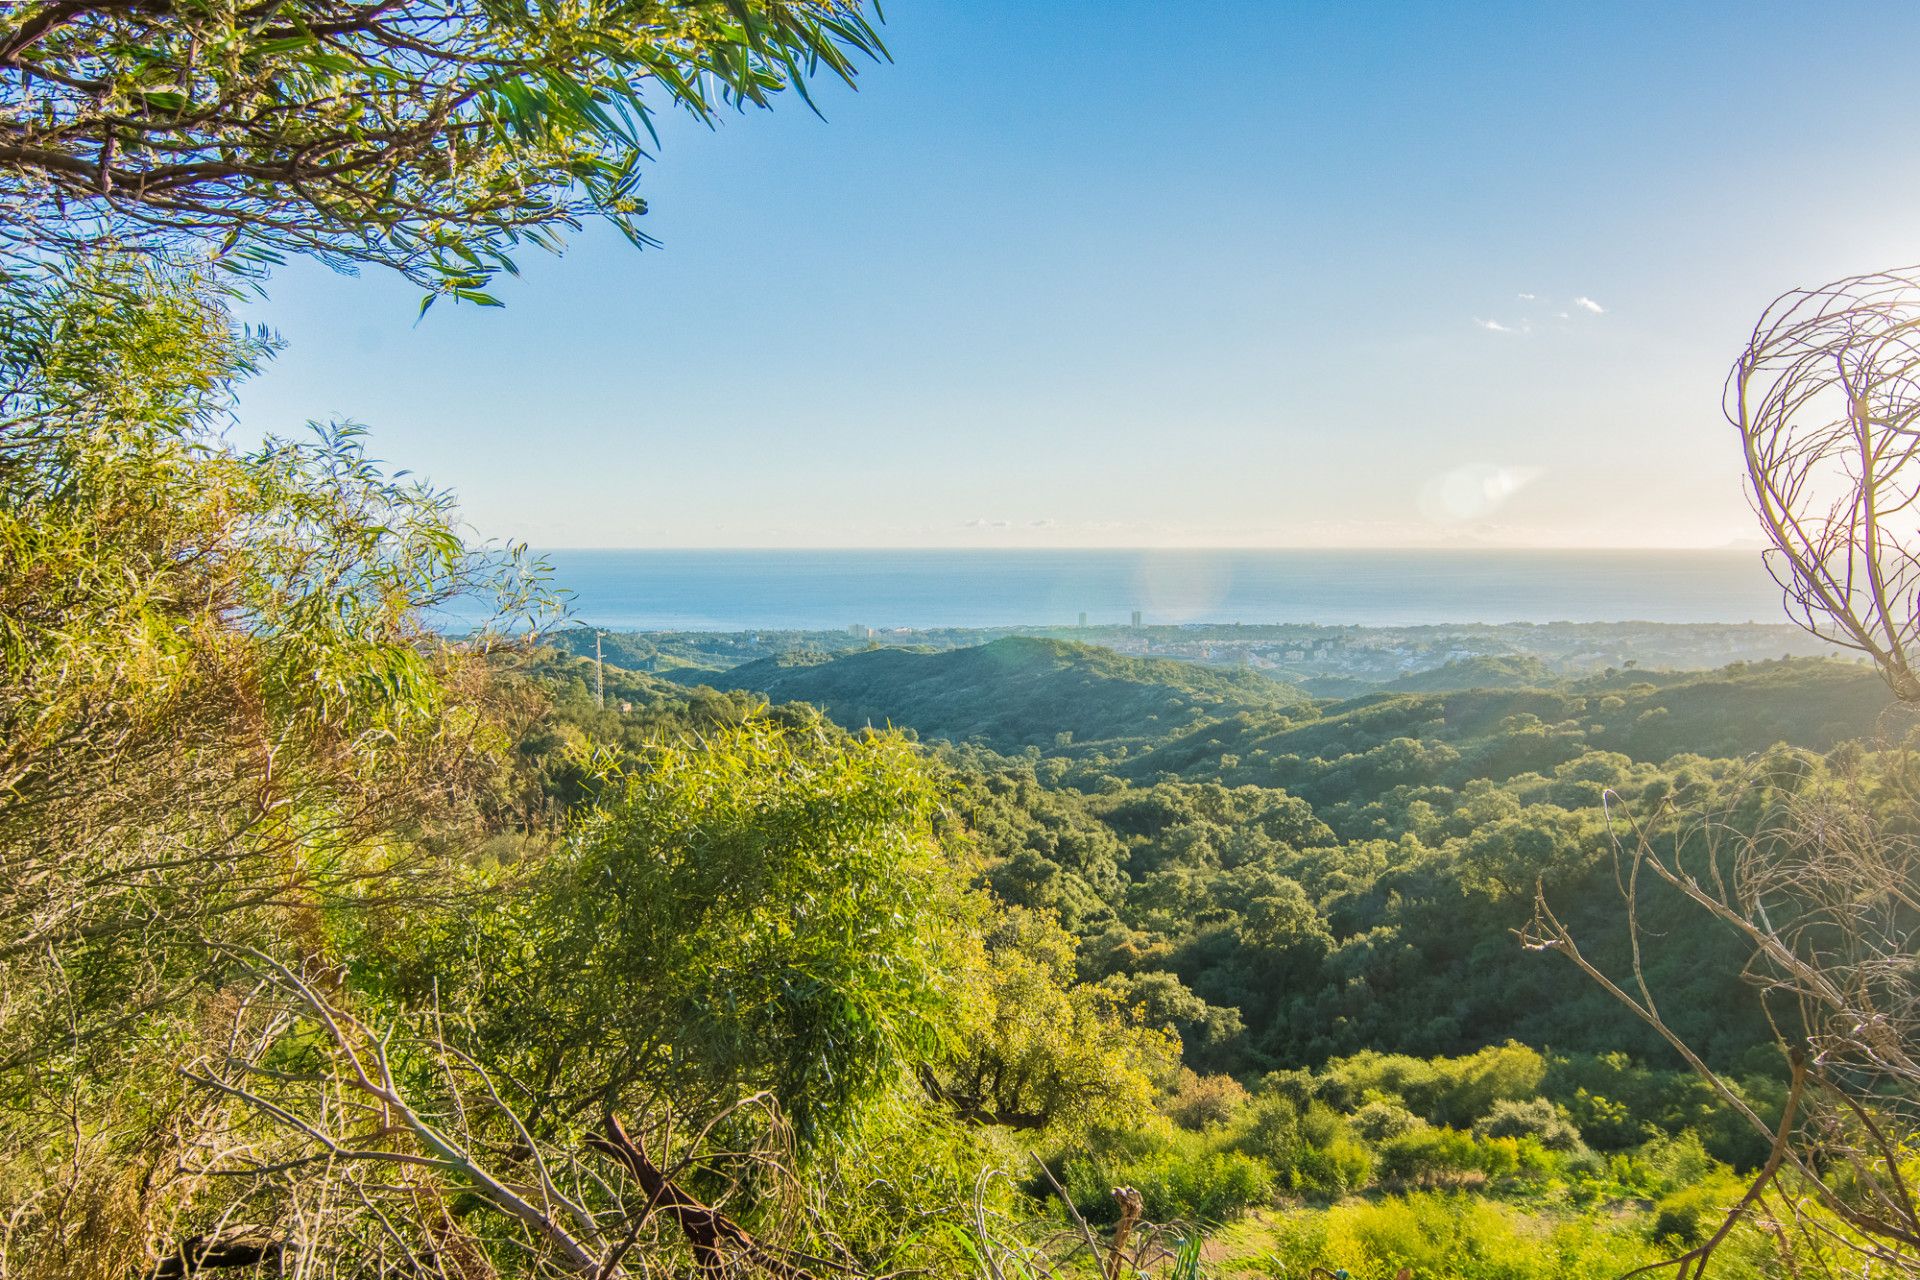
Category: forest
[1319,906]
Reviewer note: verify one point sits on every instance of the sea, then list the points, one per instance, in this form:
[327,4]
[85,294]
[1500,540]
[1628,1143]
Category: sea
[731,590]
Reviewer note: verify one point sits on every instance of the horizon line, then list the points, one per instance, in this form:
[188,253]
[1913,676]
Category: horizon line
[1472,550]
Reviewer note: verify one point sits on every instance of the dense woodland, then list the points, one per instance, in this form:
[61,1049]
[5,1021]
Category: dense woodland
[1320,902]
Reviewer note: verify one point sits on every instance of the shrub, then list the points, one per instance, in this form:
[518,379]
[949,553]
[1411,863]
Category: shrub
[1692,1213]
[1452,1237]
[1444,1090]
[1678,1161]
[1268,1128]
[1535,1118]
[1343,1165]
[1183,1177]
[1210,1188]
[1431,1157]
[1200,1100]
[1607,1124]
[1379,1121]
[1295,1085]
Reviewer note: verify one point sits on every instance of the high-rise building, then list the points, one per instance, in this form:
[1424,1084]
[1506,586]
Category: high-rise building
[1083,617]
[1136,619]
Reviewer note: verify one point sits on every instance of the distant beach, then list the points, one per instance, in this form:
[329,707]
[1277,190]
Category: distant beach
[819,590]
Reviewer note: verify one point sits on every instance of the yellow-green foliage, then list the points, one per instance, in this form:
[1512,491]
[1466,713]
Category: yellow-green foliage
[765,909]
[1444,1090]
[225,723]
[1034,1049]
[1451,1237]
[1180,1175]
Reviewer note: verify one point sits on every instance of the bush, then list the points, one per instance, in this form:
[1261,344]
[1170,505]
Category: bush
[1444,1090]
[1535,1118]
[1295,1085]
[1183,1177]
[1452,1237]
[1200,1100]
[1380,1121]
[1343,1165]
[1431,1157]
[1607,1124]
[1208,1189]
[1691,1214]
[1268,1128]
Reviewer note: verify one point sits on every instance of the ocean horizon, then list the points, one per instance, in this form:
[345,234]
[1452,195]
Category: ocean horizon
[810,590]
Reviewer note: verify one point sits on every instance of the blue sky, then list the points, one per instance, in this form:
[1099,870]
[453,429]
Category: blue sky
[1129,273]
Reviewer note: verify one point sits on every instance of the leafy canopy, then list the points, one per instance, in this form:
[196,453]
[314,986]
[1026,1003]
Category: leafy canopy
[430,136]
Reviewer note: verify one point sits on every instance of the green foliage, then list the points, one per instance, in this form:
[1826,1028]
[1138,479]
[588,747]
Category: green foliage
[1452,1237]
[1180,1177]
[1036,1050]
[225,727]
[1502,672]
[1014,692]
[1431,1157]
[765,910]
[1198,1101]
[1536,1118]
[1379,1120]
[435,139]
[1442,1090]
[1290,886]
[232,732]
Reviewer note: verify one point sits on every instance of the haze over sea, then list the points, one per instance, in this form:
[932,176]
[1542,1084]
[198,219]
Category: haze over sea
[734,590]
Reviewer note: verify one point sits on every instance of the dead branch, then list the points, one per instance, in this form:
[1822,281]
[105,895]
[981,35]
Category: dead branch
[715,1238]
[247,1245]
[1826,398]
[1823,893]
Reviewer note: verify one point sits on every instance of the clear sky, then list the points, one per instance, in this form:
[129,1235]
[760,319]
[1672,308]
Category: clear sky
[1137,273]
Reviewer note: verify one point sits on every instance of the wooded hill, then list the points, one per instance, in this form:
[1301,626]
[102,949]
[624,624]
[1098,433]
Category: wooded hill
[1014,693]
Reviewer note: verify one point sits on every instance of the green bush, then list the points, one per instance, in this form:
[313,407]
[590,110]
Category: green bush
[1210,1188]
[1691,1214]
[1268,1128]
[1378,1121]
[1431,1157]
[1343,1165]
[1185,1177]
[1535,1118]
[1451,1091]
[1200,1100]
[1452,1237]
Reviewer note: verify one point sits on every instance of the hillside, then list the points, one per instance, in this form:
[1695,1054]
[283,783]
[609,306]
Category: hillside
[1017,692]
[1386,739]
[1492,672]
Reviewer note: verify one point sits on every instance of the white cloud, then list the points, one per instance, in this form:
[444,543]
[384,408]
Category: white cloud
[1524,297]
[1588,304]
[1493,326]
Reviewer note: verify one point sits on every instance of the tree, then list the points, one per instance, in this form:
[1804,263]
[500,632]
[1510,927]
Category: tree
[430,136]
[224,721]
[1035,1049]
[764,910]
[1826,397]
[237,755]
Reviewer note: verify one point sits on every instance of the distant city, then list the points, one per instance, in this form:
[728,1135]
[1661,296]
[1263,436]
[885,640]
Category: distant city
[1329,660]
